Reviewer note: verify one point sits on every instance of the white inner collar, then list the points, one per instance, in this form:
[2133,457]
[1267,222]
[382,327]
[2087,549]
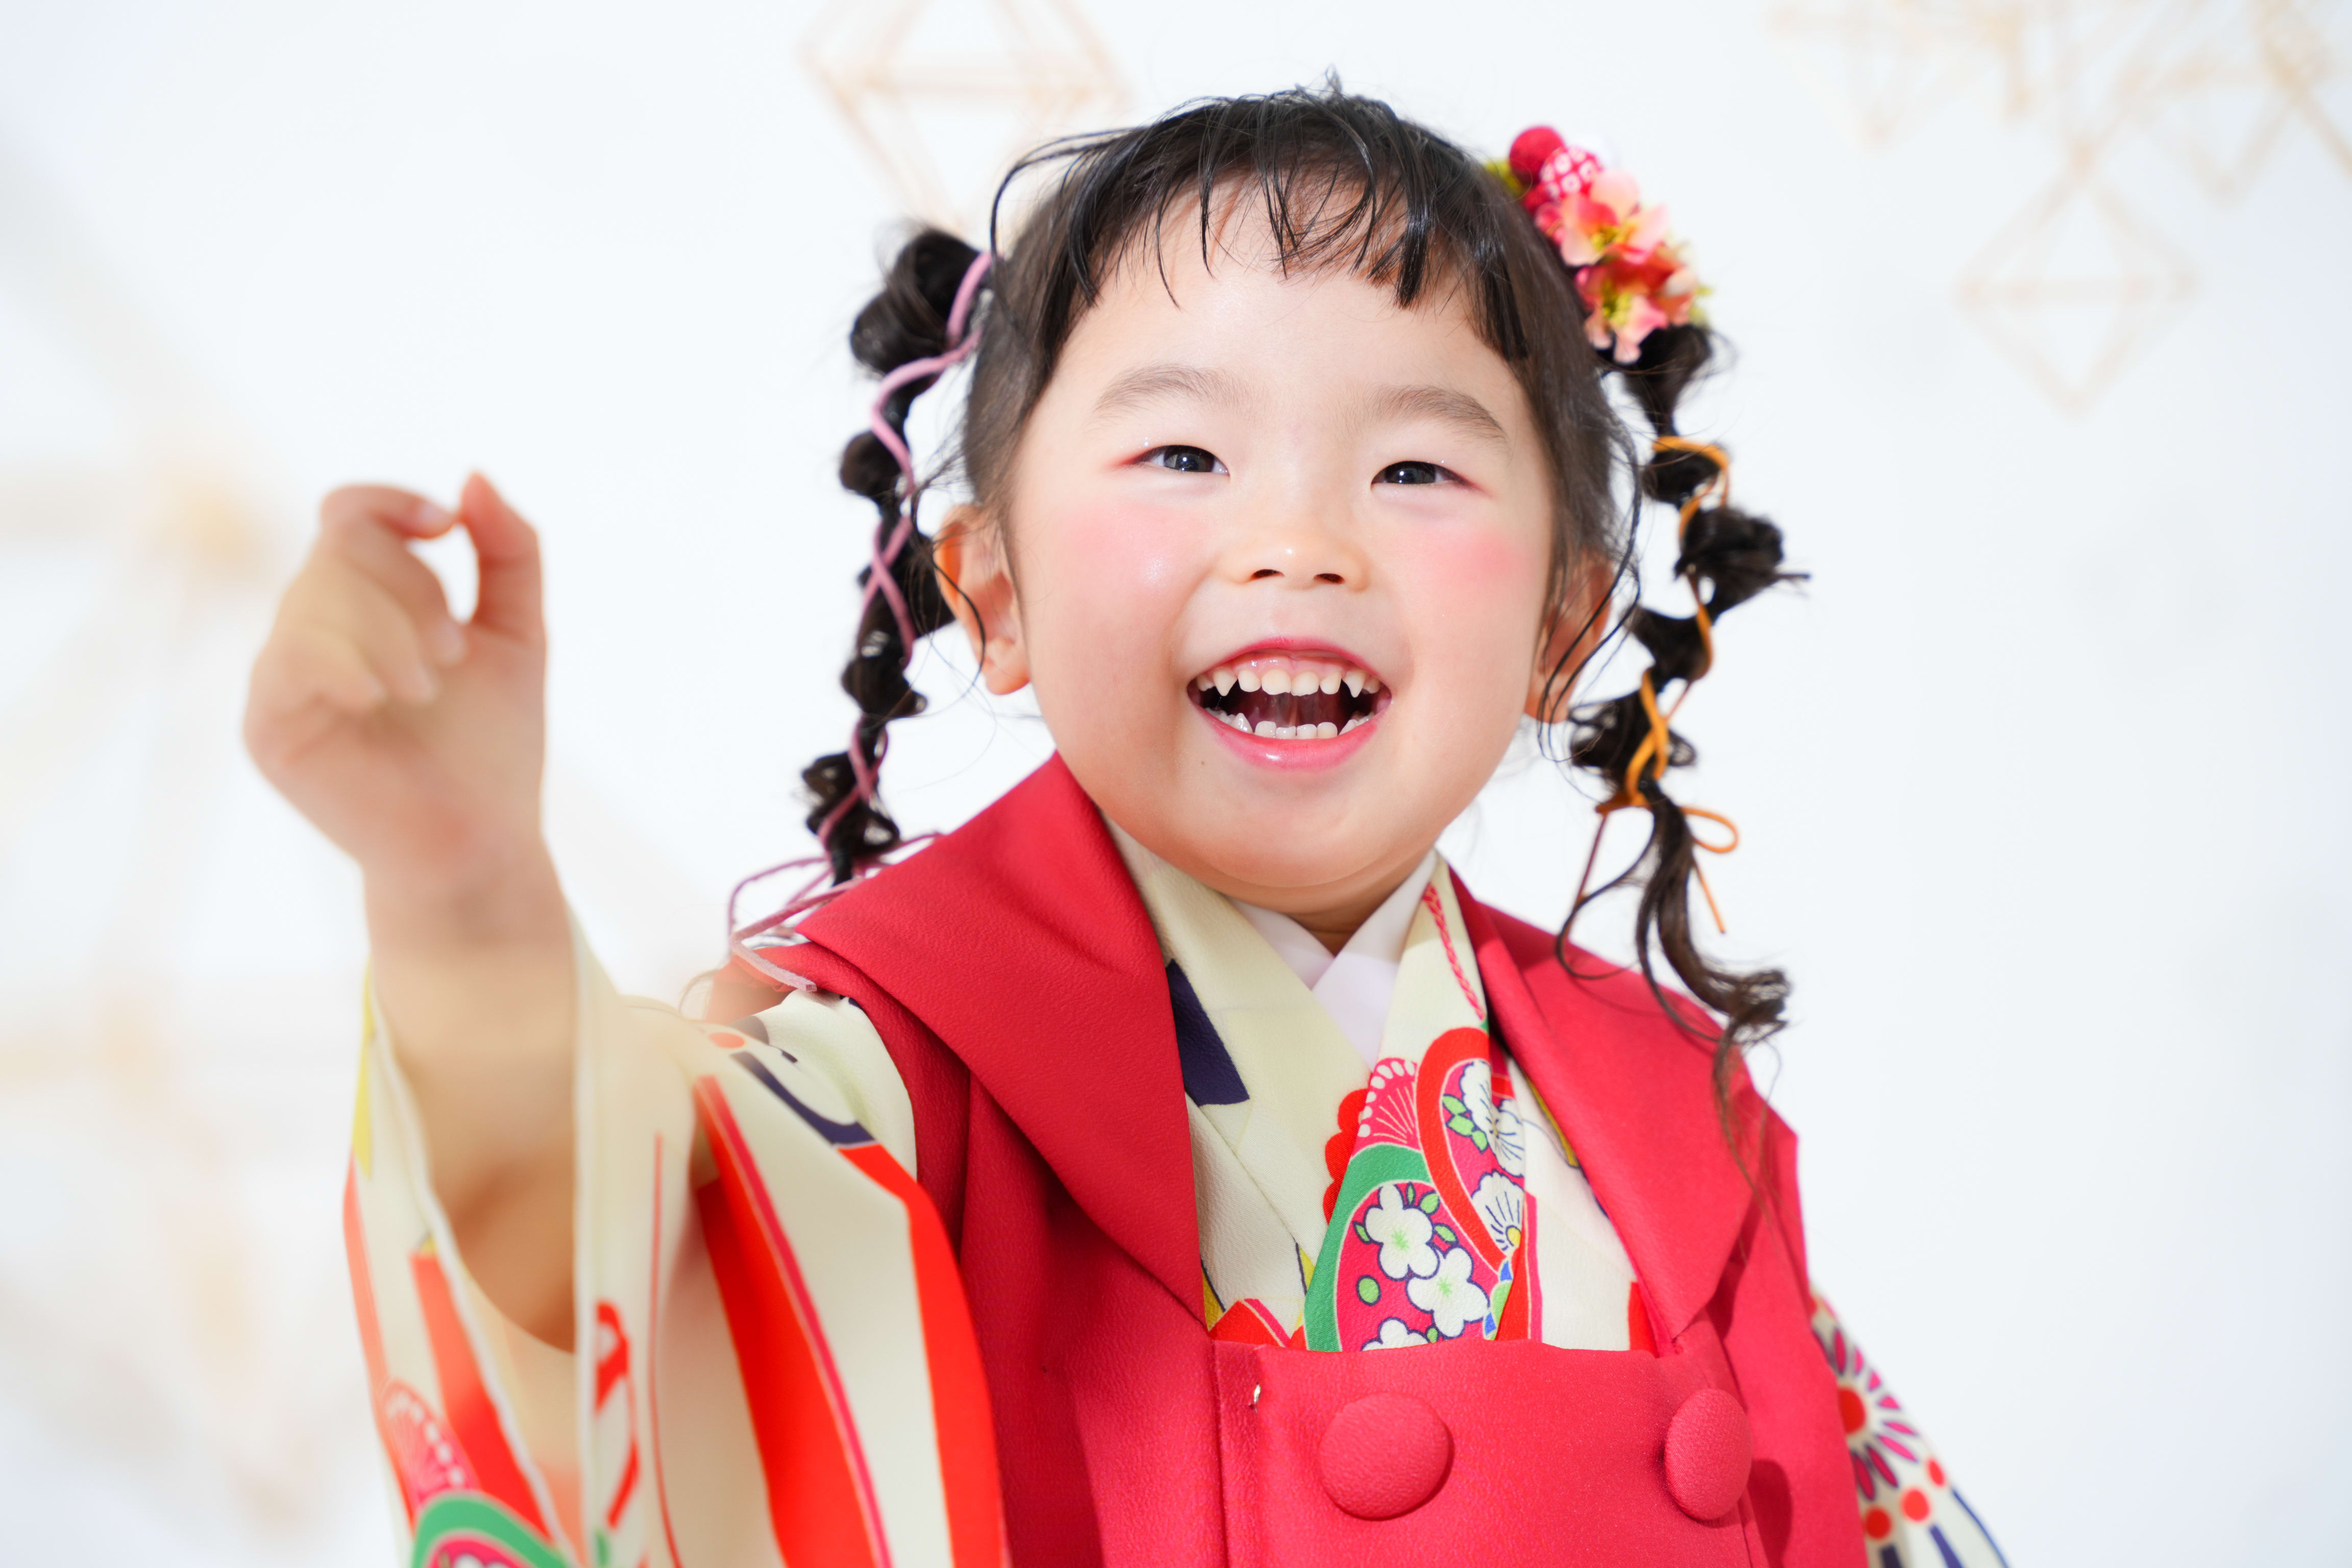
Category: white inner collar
[1355,983]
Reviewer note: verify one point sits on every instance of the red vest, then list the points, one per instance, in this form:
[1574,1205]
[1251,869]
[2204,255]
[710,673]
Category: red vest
[1016,979]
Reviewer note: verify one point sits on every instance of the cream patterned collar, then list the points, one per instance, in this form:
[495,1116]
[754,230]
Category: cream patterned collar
[1355,983]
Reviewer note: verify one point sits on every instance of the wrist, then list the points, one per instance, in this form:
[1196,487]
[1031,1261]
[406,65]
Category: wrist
[498,903]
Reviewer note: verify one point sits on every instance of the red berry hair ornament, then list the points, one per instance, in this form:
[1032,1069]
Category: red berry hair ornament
[1629,268]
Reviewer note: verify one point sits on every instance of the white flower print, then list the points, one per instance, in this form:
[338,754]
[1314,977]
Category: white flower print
[1510,1138]
[1394,1336]
[1401,1231]
[1503,1207]
[1449,1296]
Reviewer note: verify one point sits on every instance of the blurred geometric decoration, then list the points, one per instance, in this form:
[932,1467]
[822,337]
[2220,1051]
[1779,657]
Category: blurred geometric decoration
[144,1311]
[2078,282]
[2221,101]
[1886,65]
[945,94]
[178,955]
[2071,286]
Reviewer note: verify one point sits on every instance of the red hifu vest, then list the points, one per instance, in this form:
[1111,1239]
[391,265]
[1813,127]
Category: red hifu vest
[1016,979]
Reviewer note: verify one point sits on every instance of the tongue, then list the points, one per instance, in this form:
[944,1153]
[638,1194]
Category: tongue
[1289,709]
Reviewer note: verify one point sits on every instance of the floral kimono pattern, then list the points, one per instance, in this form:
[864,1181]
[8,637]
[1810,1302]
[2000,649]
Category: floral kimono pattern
[1430,1220]
[1338,1214]
[776,1365]
[1449,1209]
[1431,1230]
[1912,1516]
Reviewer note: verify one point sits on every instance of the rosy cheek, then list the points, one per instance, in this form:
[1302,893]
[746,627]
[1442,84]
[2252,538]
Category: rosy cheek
[1446,572]
[1104,585]
[1126,548]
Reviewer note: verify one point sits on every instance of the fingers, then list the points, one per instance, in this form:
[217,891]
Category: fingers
[344,640]
[507,599]
[383,506]
[385,560]
[359,613]
[306,663]
[371,525]
[366,624]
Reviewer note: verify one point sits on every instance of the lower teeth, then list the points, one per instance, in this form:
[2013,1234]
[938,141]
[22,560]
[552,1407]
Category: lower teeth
[1268,730]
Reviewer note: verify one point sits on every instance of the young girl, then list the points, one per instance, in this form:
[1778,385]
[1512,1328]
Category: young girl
[1049,1192]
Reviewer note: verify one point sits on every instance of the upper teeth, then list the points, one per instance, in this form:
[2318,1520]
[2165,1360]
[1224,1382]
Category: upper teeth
[1284,675]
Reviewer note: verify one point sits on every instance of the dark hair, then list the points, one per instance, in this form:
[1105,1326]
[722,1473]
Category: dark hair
[1343,181]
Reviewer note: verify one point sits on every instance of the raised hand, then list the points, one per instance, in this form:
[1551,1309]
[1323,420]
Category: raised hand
[417,745]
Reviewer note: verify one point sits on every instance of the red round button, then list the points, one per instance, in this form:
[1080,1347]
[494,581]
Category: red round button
[1708,1447]
[1385,1455]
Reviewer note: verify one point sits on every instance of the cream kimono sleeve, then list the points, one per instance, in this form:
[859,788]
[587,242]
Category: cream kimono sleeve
[776,1364]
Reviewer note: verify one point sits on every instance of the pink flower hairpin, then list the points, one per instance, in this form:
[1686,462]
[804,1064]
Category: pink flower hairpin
[1629,269]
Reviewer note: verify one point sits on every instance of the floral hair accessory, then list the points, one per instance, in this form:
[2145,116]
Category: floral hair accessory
[1629,268]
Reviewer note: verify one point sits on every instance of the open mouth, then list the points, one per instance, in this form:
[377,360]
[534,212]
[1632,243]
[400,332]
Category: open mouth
[1290,695]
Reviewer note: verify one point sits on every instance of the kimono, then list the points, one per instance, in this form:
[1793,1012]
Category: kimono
[1026,1206]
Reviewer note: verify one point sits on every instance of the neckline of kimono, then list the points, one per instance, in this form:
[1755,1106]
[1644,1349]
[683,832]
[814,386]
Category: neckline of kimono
[1356,984]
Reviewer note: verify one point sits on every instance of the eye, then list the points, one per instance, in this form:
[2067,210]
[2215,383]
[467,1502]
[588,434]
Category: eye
[1413,474]
[1183,460]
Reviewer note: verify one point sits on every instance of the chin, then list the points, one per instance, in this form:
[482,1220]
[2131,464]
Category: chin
[1272,843]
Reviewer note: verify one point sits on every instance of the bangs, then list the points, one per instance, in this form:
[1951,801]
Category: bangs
[1338,184]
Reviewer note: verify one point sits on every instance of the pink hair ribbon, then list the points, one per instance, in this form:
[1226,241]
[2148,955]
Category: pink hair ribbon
[890,540]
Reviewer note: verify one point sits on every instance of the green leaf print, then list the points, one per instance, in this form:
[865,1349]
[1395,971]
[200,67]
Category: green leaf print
[459,1519]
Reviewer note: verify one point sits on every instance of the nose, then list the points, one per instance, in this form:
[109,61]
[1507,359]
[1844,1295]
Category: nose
[1299,545]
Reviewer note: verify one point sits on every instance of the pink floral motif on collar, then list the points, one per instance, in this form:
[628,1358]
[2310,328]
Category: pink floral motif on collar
[1430,1230]
[1429,1238]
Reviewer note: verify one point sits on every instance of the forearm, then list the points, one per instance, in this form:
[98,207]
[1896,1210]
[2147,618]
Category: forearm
[478,996]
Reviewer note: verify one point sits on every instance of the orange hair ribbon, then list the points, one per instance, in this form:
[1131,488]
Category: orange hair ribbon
[1654,753]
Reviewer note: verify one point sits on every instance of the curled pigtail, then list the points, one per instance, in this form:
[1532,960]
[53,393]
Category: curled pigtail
[921,323]
[1639,297]
[1727,557]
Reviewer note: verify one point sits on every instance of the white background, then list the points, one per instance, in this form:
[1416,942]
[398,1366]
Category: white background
[2041,778]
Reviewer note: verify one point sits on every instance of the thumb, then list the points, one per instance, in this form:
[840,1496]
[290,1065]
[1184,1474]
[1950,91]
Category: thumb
[506,555]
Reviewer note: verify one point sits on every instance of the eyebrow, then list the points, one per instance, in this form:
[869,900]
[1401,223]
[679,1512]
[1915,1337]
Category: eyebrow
[1162,383]
[1441,404]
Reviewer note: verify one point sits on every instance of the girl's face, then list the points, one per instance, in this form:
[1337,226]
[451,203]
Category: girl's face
[1277,559]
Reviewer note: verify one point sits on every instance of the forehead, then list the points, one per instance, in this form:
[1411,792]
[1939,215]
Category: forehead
[1307,300]
[1307,227]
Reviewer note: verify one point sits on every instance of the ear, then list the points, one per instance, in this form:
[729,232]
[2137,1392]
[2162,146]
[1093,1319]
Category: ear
[969,556]
[1570,638]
